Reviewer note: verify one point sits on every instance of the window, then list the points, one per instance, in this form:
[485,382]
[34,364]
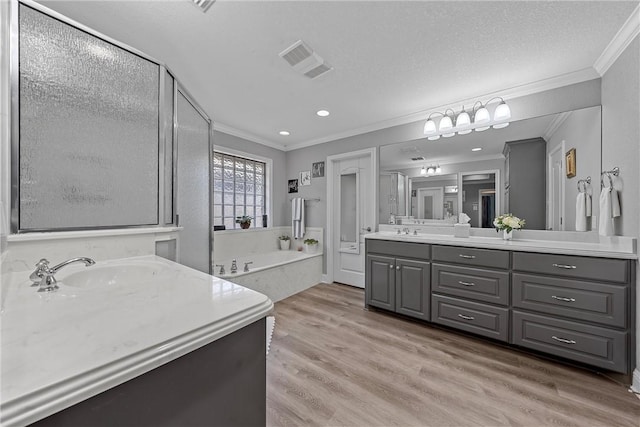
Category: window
[239,188]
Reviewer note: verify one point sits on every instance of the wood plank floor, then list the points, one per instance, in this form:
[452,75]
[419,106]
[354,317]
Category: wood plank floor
[333,363]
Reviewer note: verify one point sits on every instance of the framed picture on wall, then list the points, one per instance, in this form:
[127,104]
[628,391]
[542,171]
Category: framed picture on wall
[293,186]
[317,170]
[305,178]
[570,163]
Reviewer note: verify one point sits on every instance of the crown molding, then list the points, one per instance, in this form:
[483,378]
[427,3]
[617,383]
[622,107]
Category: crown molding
[555,124]
[220,127]
[514,92]
[629,30]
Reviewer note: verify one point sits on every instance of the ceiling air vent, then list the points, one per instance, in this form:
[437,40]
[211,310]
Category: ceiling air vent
[304,60]
[416,159]
[203,5]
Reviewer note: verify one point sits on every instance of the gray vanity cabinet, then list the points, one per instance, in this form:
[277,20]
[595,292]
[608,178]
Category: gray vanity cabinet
[461,293]
[574,307]
[396,282]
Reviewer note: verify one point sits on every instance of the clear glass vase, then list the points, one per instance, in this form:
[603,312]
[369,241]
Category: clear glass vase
[507,235]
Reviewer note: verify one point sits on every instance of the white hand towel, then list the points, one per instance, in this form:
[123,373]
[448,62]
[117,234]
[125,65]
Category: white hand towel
[581,212]
[588,208]
[297,218]
[608,211]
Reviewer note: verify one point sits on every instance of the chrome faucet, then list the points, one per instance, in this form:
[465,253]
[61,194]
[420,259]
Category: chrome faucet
[246,266]
[38,273]
[234,266]
[47,280]
[406,230]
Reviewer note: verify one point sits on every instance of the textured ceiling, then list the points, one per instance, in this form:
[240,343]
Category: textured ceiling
[391,59]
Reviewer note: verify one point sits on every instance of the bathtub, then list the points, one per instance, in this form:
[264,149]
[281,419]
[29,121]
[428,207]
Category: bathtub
[277,274]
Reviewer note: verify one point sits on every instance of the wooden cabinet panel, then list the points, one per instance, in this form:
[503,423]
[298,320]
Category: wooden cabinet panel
[604,269]
[587,301]
[481,319]
[470,256]
[589,344]
[470,282]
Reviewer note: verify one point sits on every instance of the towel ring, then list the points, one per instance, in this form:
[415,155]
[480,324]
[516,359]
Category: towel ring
[585,183]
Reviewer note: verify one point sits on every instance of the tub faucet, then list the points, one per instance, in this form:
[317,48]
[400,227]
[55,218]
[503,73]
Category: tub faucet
[246,266]
[234,266]
[48,282]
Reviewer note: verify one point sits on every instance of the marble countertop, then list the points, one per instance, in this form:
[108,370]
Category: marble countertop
[603,250]
[59,348]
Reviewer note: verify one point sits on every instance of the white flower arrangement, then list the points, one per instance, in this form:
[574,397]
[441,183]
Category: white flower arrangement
[508,222]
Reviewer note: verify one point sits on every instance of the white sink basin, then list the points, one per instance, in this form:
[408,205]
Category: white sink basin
[114,274]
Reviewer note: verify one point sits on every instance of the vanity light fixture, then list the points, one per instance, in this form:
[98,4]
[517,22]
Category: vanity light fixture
[322,113]
[463,123]
[284,133]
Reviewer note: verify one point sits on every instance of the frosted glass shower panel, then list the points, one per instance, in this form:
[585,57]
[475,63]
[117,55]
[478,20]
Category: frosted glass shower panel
[193,184]
[168,147]
[88,147]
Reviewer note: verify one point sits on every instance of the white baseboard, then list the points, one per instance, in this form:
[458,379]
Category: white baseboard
[325,279]
[635,384]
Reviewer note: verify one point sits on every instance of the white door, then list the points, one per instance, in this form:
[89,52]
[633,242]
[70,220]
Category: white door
[556,189]
[353,206]
[430,203]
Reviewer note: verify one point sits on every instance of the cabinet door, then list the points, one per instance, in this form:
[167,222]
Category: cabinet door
[413,288]
[380,282]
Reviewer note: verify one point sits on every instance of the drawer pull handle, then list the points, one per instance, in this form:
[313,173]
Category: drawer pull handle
[462,316]
[467,256]
[563,340]
[466,283]
[563,299]
[565,266]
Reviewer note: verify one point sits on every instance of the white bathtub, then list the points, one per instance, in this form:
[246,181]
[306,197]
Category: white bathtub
[277,274]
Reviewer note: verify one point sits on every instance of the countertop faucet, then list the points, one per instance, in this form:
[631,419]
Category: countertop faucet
[234,266]
[221,272]
[246,265]
[47,280]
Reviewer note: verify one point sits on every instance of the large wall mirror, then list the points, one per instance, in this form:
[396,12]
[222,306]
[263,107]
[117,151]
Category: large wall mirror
[521,169]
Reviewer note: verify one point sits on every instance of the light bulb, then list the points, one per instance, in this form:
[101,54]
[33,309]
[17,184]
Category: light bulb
[481,119]
[502,113]
[430,128]
[463,123]
[423,171]
[438,169]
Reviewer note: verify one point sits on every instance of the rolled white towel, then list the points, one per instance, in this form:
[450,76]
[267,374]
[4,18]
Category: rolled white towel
[581,212]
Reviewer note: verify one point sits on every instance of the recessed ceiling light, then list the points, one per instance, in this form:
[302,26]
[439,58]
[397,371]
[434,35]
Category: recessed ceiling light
[284,133]
[476,149]
[322,113]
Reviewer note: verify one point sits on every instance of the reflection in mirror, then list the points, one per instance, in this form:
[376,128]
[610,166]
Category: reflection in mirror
[393,195]
[529,156]
[480,198]
[434,197]
[348,206]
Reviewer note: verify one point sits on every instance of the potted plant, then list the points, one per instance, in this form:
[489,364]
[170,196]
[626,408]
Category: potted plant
[244,221]
[310,246]
[285,242]
[507,223]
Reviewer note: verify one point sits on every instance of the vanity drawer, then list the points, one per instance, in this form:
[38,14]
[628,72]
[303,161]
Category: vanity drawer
[589,301]
[404,249]
[469,282]
[572,340]
[610,270]
[471,256]
[481,319]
